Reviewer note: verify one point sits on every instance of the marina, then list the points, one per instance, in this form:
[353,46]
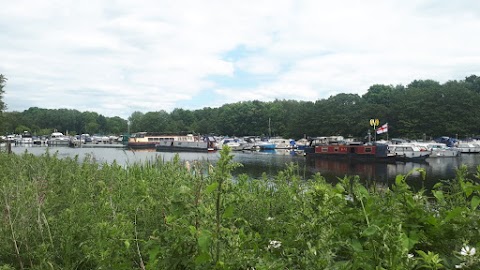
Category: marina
[334,157]
[257,164]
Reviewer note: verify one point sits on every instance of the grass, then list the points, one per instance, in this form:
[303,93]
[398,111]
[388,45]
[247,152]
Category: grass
[78,214]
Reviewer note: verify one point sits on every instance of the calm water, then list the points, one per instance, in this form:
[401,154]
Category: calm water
[255,164]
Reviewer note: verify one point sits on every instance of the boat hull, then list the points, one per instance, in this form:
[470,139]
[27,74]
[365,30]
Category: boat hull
[58,142]
[141,145]
[176,146]
[377,153]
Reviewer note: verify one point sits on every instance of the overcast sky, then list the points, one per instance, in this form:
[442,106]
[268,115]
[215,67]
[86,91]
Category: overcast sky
[117,57]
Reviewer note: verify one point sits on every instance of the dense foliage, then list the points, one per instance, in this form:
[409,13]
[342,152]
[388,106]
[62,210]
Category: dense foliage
[422,109]
[65,214]
[44,121]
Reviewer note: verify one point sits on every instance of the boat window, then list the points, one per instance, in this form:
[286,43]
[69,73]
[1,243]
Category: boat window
[368,149]
[335,149]
[324,149]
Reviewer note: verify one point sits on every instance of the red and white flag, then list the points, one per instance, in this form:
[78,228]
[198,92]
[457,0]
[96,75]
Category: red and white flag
[382,129]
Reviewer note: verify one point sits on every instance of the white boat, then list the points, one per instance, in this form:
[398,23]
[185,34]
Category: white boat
[442,150]
[408,152]
[256,143]
[26,138]
[301,144]
[188,143]
[468,147]
[234,143]
[171,142]
[58,139]
[281,143]
[11,138]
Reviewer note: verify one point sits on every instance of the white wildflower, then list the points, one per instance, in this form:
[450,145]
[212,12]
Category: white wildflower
[459,266]
[468,251]
[274,244]
[417,197]
[410,256]
[270,218]
[349,198]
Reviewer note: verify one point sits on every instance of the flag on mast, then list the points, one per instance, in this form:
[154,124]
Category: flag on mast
[382,129]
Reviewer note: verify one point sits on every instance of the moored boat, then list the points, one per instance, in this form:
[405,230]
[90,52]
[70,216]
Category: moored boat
[468,147]
[336,148]
[170,142]
[409,152]
[256,143]
[281,143]
[301,144]
[26,138]
[58,139]
[442,150]
[188,143]
[144,140]
[234,143]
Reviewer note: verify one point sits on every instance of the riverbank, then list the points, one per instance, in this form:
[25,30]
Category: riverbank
[61,213]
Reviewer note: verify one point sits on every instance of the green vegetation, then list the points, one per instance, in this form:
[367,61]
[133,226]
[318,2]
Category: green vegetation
[72,214]
[422,109]
[45,121]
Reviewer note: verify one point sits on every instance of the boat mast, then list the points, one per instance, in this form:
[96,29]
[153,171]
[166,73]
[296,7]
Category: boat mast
[269,128]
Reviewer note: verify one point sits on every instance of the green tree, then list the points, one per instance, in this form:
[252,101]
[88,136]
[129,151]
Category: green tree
[339,115]
[10,122]
[473,83]
[21,128]
[102,123]
[156,122]
[379,94]
[136,121]
[92,127]
[181,120]
[206,121]
[116,125]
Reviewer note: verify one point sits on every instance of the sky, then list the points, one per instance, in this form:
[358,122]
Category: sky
[117,57]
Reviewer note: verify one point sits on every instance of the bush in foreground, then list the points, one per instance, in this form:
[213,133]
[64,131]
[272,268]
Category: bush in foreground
[66,214]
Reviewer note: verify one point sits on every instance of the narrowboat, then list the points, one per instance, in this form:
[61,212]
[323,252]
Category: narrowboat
[170,142]
[188,143]
[335,147]
[143,140]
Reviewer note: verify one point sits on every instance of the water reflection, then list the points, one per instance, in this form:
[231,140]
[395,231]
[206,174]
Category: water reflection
[435,169]
[256,164]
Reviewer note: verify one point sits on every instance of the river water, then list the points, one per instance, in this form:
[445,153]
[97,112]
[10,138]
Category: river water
[257,164]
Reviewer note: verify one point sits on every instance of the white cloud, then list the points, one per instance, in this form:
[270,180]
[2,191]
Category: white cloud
[116,56]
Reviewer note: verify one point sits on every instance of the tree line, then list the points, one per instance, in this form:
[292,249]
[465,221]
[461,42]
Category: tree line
[423,108]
